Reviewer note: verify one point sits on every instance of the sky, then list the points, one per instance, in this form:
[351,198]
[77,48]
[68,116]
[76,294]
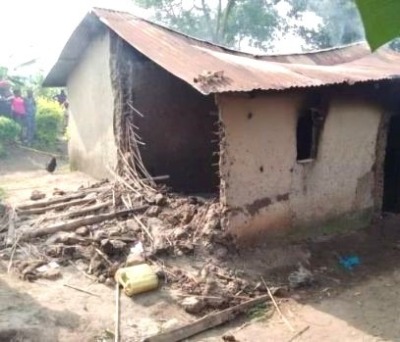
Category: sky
[38,29]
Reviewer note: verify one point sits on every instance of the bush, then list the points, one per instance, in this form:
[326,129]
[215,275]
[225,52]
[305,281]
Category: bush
[9,130]
[49,119]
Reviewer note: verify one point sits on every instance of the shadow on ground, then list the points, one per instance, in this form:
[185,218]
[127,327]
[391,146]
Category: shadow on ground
[368,297]
[358,305]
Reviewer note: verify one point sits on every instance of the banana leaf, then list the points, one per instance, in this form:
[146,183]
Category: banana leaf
[381,20]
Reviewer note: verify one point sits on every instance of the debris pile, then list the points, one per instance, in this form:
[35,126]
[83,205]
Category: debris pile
[110,225]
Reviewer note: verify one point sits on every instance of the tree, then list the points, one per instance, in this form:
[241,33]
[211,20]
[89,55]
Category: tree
[241,24]
[225,22]
[341,22]
[381,20]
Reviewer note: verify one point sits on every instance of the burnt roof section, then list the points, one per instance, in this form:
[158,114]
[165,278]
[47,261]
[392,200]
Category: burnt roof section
[210,68]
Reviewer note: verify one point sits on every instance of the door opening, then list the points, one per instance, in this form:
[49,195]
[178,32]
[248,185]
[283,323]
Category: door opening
[391,190]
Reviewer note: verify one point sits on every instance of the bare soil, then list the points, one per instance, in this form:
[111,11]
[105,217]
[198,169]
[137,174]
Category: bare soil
[341,305]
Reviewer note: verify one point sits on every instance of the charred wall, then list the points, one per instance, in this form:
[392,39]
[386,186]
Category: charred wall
[176,124]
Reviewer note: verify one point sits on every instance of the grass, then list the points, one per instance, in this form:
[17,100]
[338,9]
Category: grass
[258,312]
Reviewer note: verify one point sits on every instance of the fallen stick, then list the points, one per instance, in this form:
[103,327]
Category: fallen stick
[284,319]
[104,256]
[157,178]
[301,332]
[141,224]
[49,202]
[38,151]
[74,224]
[210,321]
[87,210]
[37,211]
[116,334]
[11,227]
[60,199]
[81,290]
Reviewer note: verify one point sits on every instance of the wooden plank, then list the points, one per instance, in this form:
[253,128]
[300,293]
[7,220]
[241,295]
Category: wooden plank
[210,321]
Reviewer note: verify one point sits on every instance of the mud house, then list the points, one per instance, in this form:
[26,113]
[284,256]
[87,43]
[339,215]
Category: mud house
[286,142]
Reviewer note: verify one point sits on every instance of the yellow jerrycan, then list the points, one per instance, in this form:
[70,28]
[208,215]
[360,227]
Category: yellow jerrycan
[137,279]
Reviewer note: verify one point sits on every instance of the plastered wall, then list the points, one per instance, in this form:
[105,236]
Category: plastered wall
[92,147]
[264,188]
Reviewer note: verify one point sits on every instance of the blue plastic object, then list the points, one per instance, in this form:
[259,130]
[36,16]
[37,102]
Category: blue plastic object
[349,262]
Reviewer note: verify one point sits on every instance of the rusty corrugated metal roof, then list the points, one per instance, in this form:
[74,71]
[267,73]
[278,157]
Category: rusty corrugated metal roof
[187,58]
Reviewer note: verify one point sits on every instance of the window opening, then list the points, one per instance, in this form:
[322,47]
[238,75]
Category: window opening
[309,126]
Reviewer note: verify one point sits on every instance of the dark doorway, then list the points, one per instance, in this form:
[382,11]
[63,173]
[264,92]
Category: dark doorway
[391,191]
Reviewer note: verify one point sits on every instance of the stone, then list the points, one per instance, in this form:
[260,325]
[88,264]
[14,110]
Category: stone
[37,195]
[111,247]
[101,278]
[132,225]
[109,282]
[51,274]
[301,277]
[188,214]
[170,324]
[186,248]
[115,231]
[160,200]
[158,231]
[134,259]
[82,231]
[99,235]
[193,305]
[180,233]
[153,211]
[118,244]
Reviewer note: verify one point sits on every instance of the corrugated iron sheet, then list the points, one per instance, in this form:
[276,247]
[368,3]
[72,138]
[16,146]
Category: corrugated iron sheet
[187,58]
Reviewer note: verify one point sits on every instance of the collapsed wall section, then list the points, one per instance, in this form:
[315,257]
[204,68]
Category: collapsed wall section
[174,124]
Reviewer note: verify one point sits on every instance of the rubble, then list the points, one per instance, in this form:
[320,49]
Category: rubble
[193,305]
[164,230]
[301,277]
[37,195]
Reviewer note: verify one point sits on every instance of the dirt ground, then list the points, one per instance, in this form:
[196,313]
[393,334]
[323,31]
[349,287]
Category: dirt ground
[358,305]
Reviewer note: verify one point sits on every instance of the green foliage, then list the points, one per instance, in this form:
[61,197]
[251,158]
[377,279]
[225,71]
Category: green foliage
[341,22]
[3,152]
[257,23]
[381,20]
[9,130]
[49,118]
[223,22]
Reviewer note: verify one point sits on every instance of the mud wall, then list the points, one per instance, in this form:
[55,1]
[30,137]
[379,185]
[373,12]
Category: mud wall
[92,147]
[176,124]
[264,188]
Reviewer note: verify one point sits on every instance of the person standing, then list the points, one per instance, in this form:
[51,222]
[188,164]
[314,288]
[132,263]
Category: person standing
[19,111]
[30,104]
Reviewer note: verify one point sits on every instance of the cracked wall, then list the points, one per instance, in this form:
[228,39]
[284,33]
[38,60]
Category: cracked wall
[267,192]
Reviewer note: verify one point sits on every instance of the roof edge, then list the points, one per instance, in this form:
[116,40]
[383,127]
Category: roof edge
[231,50]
